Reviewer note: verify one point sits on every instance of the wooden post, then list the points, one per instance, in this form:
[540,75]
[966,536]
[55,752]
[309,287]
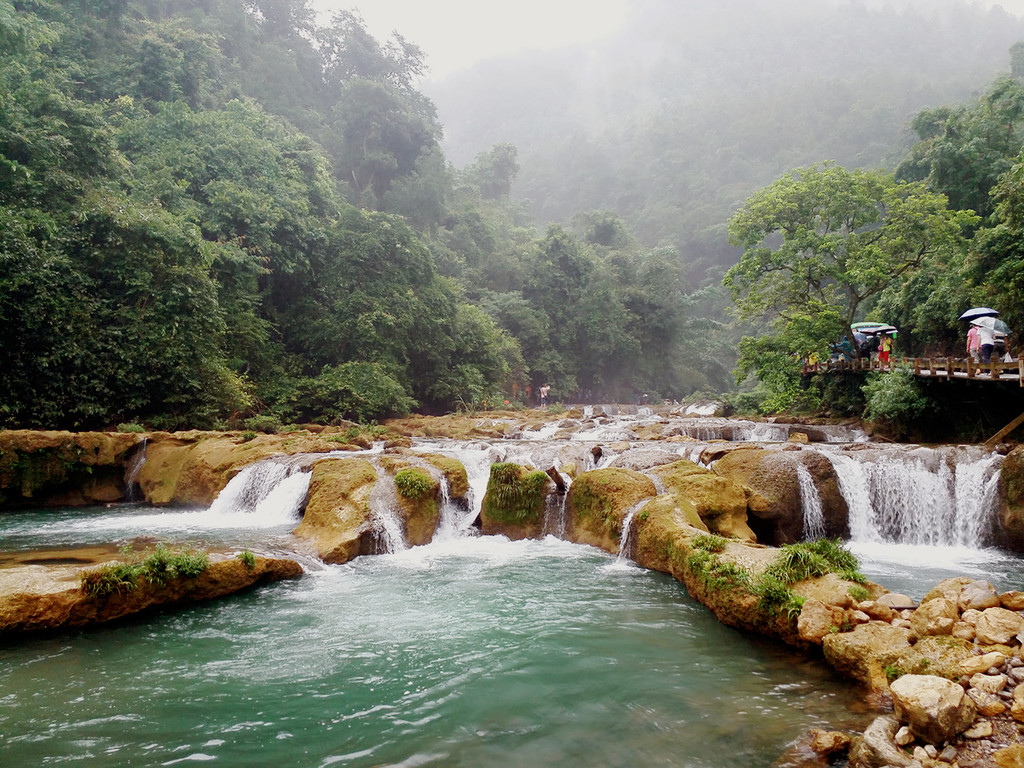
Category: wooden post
[931,364]
[970,368]
[992,441]
[949,368]
[917,366]
[1020,370]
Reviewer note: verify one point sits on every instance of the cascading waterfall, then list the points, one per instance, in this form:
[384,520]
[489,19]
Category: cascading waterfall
[131,476]
[556,520]
[927,497]
[388,529]
[626,544]
[810,501]
[266,489]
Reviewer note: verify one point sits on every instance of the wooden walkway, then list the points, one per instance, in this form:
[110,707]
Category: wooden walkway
[948,368]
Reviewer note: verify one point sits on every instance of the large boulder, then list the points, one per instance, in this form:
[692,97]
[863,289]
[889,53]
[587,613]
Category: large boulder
[599,501]
[720,503]
[772,488]
[934,708]
[337,522]
[935,617]
[63,468]
[997,626]
[863,653]
[1011,507]
[876,748]
[515,501]
[36,597]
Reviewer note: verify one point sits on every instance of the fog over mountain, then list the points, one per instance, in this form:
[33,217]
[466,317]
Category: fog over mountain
[675,119]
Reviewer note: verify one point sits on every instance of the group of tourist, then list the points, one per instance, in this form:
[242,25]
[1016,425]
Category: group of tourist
[983,342]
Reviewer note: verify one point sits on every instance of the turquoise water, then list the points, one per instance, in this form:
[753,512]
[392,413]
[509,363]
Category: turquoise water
[471,652]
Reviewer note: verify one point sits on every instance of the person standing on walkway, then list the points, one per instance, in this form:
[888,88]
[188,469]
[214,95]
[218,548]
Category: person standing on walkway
[973,344]
[544,395]
[987,341]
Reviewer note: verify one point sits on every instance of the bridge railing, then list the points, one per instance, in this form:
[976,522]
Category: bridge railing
[937,367]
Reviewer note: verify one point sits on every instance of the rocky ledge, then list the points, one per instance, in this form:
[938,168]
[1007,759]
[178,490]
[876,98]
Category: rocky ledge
[47,593]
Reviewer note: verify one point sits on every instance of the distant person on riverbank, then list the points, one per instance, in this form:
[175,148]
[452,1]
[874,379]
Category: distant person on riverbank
[543,391]
[885,349]
[973,344]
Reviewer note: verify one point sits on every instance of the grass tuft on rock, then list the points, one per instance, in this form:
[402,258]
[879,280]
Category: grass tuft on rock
[159,567]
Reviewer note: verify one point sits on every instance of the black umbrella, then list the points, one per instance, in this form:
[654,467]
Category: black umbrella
[976,312]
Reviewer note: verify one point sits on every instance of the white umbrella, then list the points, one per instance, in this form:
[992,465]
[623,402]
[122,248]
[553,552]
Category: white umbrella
[971,314]
[991,322]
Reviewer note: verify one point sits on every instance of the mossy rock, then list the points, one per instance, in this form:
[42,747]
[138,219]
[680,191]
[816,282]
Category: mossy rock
[65,468]
[454,472]
[599,501]
[720,503]
[1011,508]
[935,655]
[418,492]
[513,505]
[337,522]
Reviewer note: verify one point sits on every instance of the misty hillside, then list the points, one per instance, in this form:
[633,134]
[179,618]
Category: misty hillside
[674,121]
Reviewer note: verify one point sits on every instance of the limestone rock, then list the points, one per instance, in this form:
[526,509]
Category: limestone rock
[598,501]
[876,747]
[903,736]
[1010,757]
[863,653]
[35,598]
[970,616]
[981,729]
[817,620]
[1012,601]
[829,742]
[988,683]
[978,595]
[963,631]
[986,703]
[934,708]
[977,664]
[949,589]
[935,617]
[337,520]
[939,655]
[719,502]
[876,609]
[895,600]
[997,626]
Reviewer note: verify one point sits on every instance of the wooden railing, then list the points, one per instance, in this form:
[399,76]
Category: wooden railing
[934,367]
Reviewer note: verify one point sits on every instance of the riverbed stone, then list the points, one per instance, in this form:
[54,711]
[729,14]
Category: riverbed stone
[988,683]
[998,626]
[977,664]
[829,743]
[876,609]
[875,748]
[935,617]
[1009,757]
[817,620]
[864,652]
[1012,600]
[987,704]
[949,589]
[896,600]
[978,595]
[934,708]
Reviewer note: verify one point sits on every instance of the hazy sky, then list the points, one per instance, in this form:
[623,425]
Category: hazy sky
[456,33]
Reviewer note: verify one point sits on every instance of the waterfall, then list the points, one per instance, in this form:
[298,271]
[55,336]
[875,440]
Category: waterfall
[626,544]
[810,501]
[924,497]
[388,529]
[556,516]
[265,493]
[132,471]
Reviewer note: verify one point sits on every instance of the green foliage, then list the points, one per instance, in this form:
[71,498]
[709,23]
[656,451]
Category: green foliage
[859,593]
[709,542]
[263,423]
[715,573]
[247,558]
[248,435]
[893,672]
[414,483]
[895,399]
[131,428]
[159,567]
[515,495]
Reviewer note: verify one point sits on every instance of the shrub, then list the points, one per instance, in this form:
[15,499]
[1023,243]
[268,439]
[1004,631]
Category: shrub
[131,427]
[159,567]
[248,559]
[514,495]
[414,483]
[895,399]
[709,542]
[264,423]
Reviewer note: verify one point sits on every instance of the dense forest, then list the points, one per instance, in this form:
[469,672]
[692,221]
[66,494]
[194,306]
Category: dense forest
[214,212]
